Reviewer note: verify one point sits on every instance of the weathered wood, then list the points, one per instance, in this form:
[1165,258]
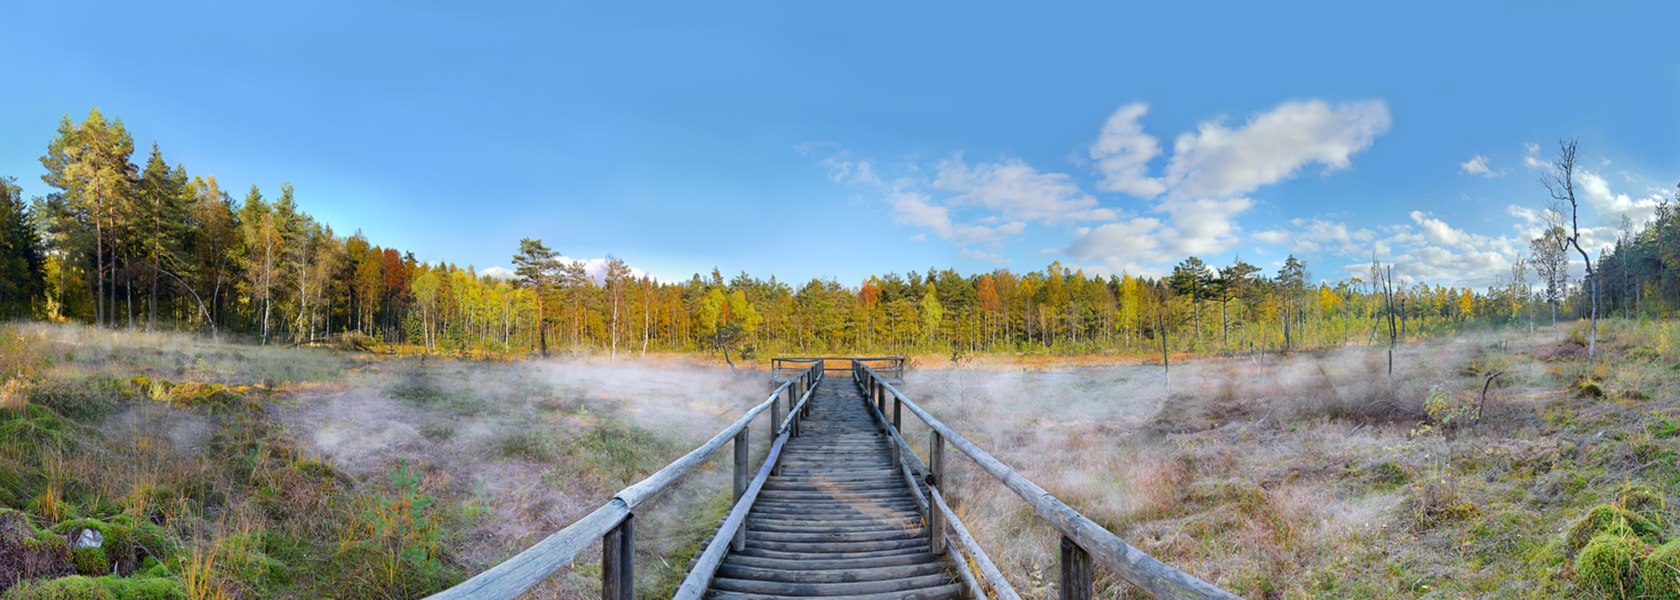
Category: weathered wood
[526,569]
[1077,582]
[967,577]
[741,459]
[694,585]
[971,548]
[908,584]
[776,427]
[947,592]
[634,495]
[618,561]
[936,479]
[1131,564]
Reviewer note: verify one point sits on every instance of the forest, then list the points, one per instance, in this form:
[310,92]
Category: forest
[152,247]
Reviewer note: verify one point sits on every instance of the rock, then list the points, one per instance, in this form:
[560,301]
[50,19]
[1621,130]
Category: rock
[90,538]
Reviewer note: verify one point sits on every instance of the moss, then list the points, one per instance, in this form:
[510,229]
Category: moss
[144,588]
[90,561]
[81,587]
[1610,564]
[75,587]
[118,547]
[1659,574]
[1605,518]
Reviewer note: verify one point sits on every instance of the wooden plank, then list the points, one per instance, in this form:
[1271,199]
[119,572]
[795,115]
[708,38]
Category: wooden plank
[1131,564]
[901,586]
[947,592]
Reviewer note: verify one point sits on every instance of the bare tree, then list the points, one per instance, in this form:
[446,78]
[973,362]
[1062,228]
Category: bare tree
[1560,182]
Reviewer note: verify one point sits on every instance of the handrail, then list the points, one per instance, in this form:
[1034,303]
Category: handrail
[895,366]
[933,501]
[700,575]
[1133,565]
[612,522]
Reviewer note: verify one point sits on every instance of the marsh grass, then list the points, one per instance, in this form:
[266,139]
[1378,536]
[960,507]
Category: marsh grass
[1315,475]
[284,473]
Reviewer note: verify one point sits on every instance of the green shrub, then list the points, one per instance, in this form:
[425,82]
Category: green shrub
[1607,518]
[1610,563]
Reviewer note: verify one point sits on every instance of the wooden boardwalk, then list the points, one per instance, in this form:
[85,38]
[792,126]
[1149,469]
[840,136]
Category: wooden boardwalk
[840,507]
[837,520]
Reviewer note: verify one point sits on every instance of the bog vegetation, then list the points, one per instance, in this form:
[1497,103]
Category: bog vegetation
[219,470]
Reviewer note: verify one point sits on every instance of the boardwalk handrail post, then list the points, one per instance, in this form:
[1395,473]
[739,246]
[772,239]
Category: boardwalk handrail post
[618,561]
[898,415]
[775,425]
[936,480]
[1077,582]
[741,459]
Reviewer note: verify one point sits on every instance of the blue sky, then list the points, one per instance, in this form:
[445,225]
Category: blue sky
[806,139]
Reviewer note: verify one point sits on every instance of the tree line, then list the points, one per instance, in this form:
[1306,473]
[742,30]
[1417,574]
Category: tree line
[151,246]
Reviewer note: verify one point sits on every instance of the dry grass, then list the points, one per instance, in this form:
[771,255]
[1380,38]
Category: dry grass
[284,488]
[1307,476]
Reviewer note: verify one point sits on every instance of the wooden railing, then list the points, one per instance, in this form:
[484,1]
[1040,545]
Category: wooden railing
[891,367]
[1082,538]
[614,522]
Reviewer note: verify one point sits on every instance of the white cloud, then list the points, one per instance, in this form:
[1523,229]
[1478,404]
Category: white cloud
[1611,206]
[917,209]
[1122,153]
[1531,156]
[1197,201]
[1123,246]
[1018,191]
[1203,226]
[1438,231]
[1212,168]
[502,273]
[1478,166]
[1311,236]
[1220,161]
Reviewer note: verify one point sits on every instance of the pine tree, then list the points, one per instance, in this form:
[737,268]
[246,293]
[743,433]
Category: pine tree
[21,260]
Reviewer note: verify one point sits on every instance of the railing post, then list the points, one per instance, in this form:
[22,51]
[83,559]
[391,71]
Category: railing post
[618,561]
[775,428]
[898,415]
[740,542]
[936,479]
[1076,572]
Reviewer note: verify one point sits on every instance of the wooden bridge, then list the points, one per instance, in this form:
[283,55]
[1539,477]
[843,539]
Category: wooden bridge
[841,507]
